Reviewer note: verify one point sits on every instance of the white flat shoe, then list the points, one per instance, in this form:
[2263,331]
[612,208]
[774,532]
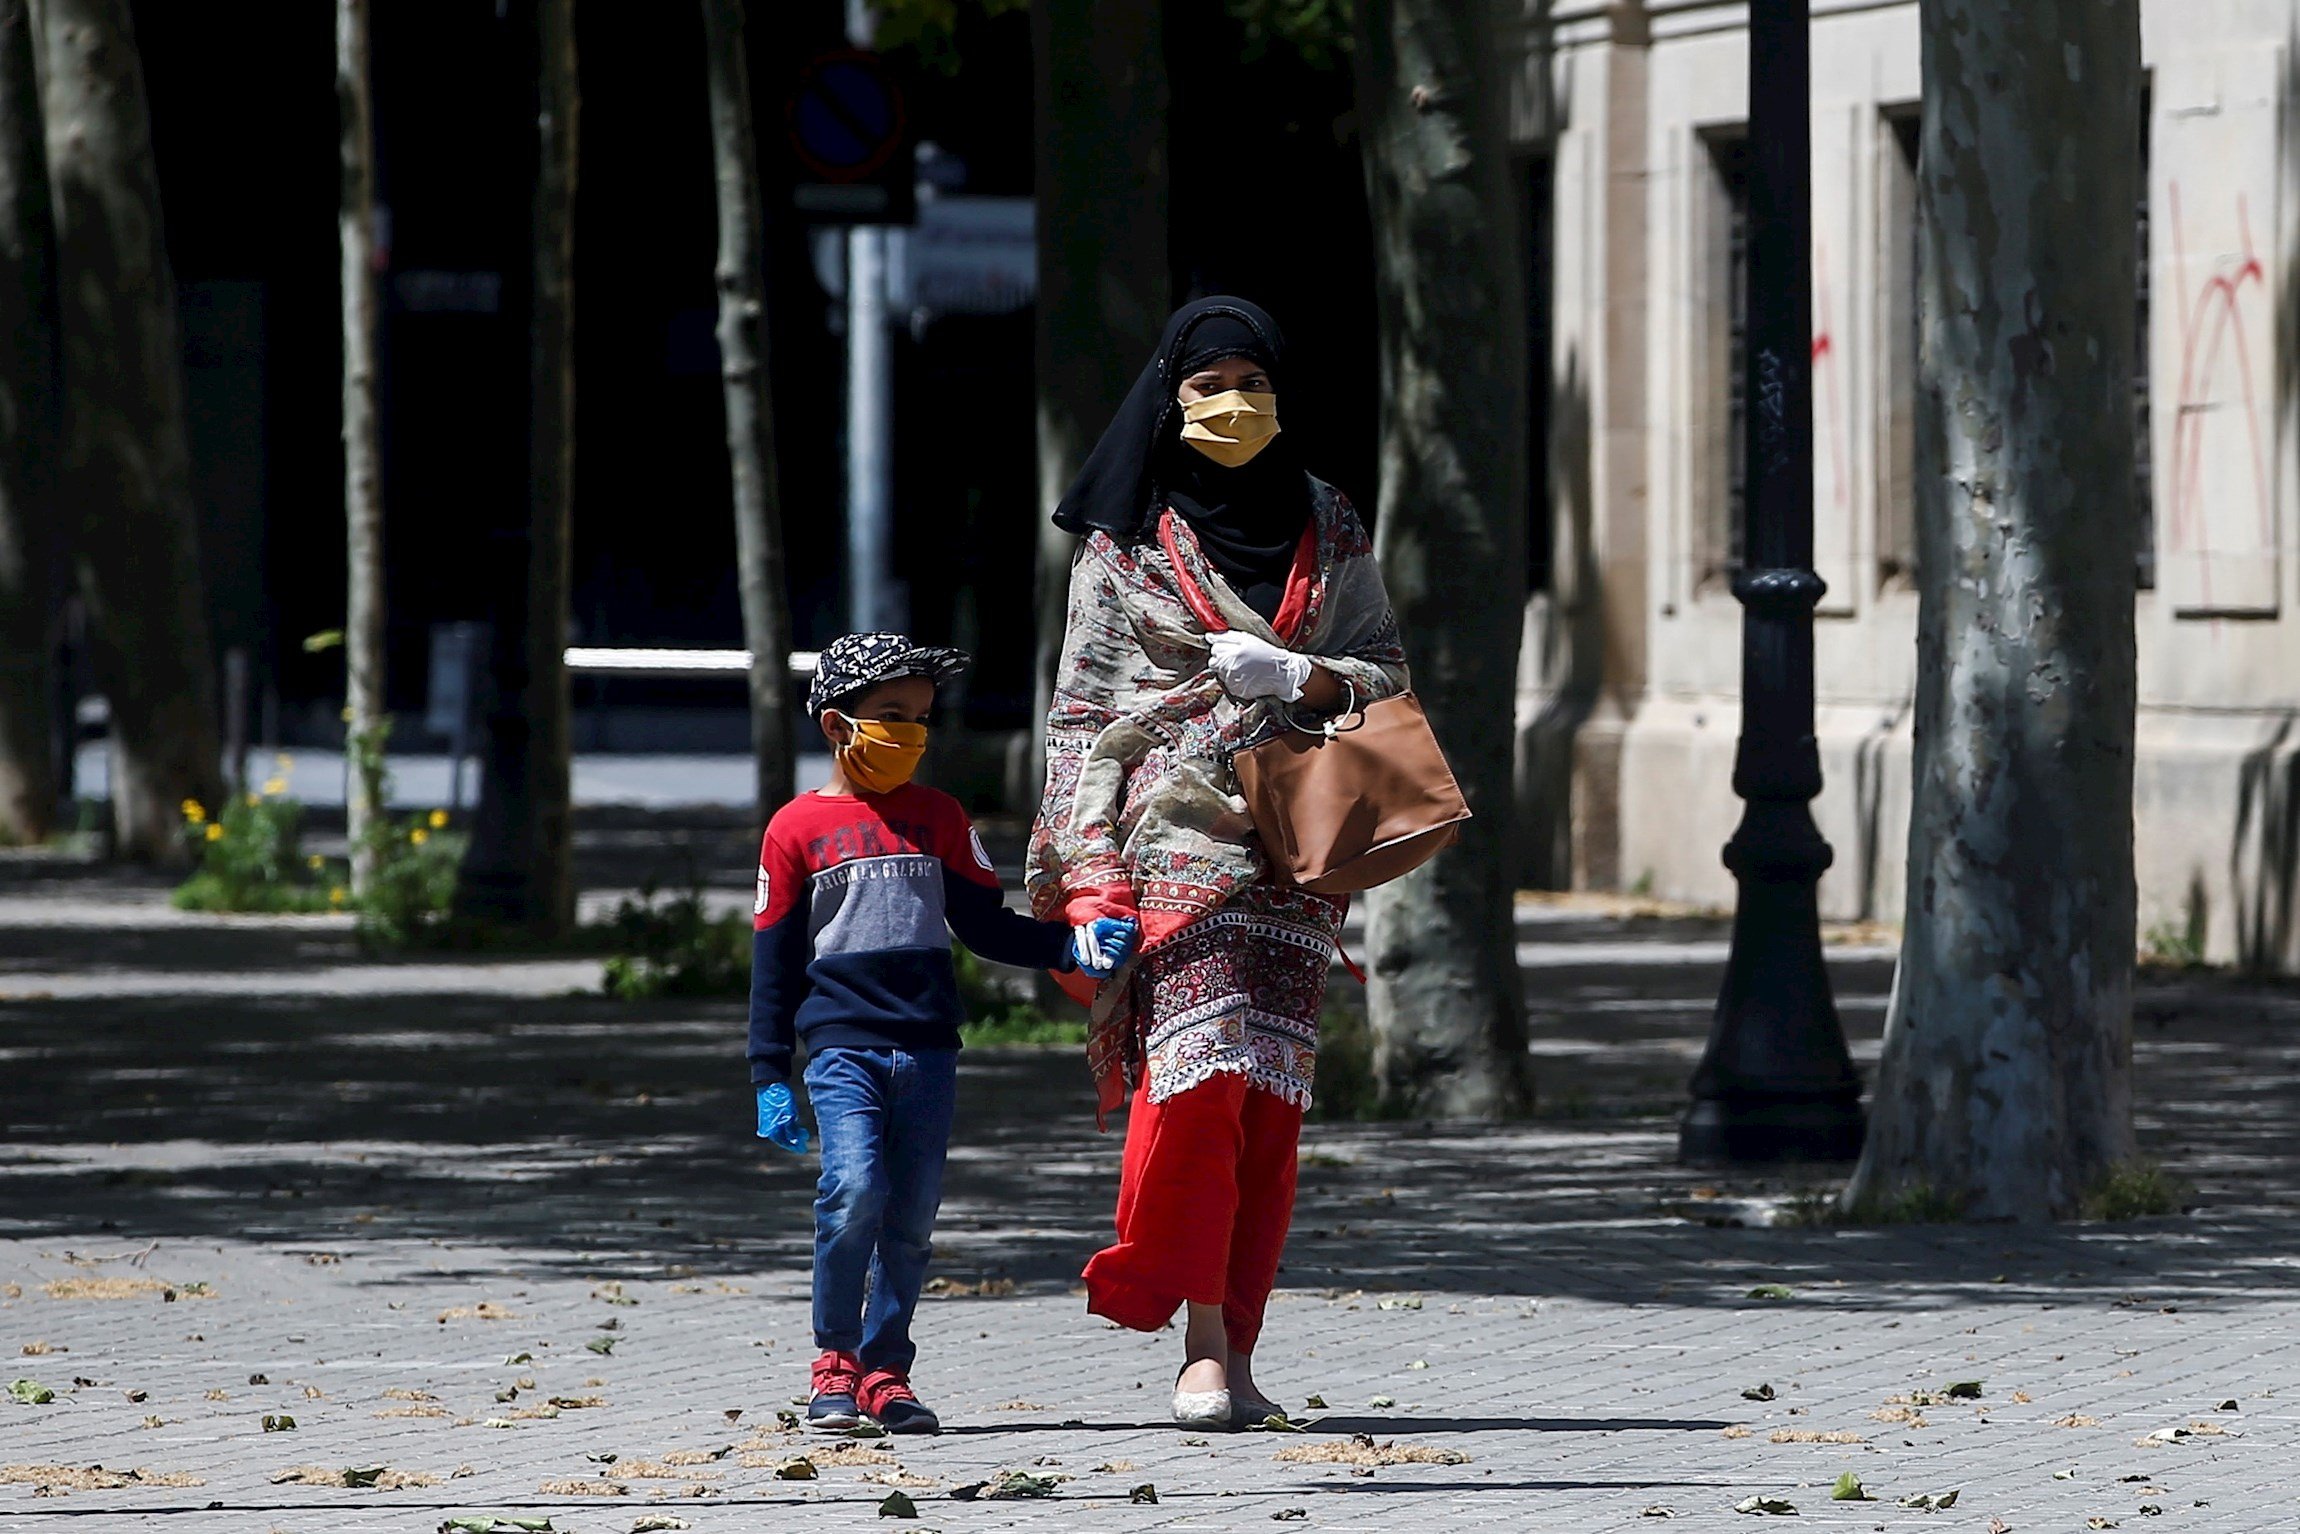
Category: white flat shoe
[1208,1411]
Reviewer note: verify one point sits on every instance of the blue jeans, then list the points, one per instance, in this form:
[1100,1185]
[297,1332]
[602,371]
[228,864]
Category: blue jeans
[884,1116]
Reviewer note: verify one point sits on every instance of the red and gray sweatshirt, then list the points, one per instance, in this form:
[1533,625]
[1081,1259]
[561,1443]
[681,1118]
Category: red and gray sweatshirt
[857,899]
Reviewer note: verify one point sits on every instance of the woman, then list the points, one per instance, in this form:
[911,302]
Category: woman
[1219,590]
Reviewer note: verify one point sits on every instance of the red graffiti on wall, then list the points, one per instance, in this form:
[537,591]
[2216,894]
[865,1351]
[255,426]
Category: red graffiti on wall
[2214,319]
[1824,371]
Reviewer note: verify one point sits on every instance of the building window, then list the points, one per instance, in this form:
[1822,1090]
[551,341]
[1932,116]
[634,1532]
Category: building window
[1722,302]
[1538,192]
[2143,455]
[1899,252]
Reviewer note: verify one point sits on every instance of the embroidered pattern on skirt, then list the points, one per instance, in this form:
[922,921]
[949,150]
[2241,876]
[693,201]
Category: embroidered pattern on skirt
[1239,992]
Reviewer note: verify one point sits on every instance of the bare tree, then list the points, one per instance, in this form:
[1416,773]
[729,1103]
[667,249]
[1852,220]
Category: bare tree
[519,869]
[749,391]
[1447,1005]
[127,460]
[366,726]
[2005,1088]
[1103,282]
[29,435]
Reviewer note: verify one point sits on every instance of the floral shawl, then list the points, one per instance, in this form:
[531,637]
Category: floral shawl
[1142,815]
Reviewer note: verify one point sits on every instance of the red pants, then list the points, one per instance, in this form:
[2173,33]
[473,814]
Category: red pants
[1203,1206]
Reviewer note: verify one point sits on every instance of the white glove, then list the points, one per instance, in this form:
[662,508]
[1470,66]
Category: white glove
[1255,668]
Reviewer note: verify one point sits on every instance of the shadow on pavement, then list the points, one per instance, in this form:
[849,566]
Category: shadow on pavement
[584,1133]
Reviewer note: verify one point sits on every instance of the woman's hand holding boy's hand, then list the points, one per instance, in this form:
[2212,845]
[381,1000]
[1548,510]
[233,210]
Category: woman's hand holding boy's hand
[779,1119]
[1100,946]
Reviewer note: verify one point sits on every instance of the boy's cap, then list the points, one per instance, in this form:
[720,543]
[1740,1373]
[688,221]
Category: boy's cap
[860,661]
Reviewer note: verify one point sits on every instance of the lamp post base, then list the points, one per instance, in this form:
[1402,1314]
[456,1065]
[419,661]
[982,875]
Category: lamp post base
[1719,1132]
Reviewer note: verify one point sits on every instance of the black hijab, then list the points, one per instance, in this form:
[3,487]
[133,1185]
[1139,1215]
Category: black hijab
[1249,520]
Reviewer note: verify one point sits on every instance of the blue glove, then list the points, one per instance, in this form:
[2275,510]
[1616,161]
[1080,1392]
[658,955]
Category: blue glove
[779,1119]
[1098,947]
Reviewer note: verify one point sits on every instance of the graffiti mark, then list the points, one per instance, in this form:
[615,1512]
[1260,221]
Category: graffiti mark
[2213,320]
[1825,373]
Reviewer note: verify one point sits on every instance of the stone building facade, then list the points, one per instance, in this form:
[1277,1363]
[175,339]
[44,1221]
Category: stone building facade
[1630,122]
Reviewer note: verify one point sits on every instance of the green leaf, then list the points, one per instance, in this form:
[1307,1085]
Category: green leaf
[518,1358]
[1315,1403]
[787,1420]
[363,1475]
[603,1346]
[1146,1493]
[325,639]
[1383,1402]
[495,1523]
[801,1469]
[1404,1302]
[279,1424]
[32,1392]
[656,1523]
[1931,1501]
[897,1505]
[1278,1422]
[1009,1485]
[1758,1393]
[1849,1489]
[1772,1292]
[1964,1390]
[864,1430]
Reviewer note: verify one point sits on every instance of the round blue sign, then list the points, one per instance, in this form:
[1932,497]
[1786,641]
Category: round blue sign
[846,116]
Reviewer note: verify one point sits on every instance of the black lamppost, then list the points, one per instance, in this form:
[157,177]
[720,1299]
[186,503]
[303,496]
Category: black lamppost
[1776,1082]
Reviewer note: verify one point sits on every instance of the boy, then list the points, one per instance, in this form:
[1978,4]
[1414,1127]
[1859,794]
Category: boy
[861,884]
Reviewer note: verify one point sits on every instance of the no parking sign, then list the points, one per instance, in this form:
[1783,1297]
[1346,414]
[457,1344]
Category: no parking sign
[848,130]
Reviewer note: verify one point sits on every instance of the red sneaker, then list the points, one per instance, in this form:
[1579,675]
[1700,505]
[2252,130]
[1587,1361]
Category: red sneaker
[887,1399]
[832,1403]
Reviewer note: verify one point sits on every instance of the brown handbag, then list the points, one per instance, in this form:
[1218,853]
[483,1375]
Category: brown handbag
[1356,801]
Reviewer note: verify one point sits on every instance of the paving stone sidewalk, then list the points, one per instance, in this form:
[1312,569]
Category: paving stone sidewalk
[516,1250]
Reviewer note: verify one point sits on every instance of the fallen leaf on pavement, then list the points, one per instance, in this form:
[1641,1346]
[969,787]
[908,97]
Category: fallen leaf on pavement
[1402,1302]
[582,1489]
[492,1524]
[795,1470]
[1964,1390]
[1758,1393]
[1289,1514]
[659,1523]
[898,1505]
[1999,1526]
[1931,1501]
[1362,1450]
[1315,1403]
[1382,1403]
[1658,1511]
[52,1480]
[31,1393]
[2076,1419]
[1146,1494]
[1772,1292]
[603,1346]
[1116,1467]
[1849,1489]
[279,1424]
[1777,1506]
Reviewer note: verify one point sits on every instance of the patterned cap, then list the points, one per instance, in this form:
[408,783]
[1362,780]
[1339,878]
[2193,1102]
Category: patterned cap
[861,661]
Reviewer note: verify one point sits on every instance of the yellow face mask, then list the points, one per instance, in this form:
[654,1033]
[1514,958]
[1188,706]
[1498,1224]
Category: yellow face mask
[1230,427]
[880,756]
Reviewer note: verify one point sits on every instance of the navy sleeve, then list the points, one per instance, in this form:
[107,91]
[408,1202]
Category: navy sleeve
[978,915]
[780,951]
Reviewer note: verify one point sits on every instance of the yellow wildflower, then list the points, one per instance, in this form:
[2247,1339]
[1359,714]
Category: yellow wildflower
[316,862]
[284,762]
[274,787]
[439,820]
[194,811]
[215,832]
[338,895]
[419,836]
[253,801]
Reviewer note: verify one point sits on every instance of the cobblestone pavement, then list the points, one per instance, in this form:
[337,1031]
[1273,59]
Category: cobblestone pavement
[484,1234]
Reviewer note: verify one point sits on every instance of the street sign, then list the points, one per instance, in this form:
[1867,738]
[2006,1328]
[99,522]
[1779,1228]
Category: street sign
[850,136]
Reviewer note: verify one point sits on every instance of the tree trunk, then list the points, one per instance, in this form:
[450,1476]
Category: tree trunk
[749,391]
[367,728]
[127,463]
[29,436]
[519,870]
[1448,1009]
[2005,1088]
[1103,281]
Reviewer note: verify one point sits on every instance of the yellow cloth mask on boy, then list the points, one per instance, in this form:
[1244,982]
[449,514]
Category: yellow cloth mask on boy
[1231,427]
[881,754]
